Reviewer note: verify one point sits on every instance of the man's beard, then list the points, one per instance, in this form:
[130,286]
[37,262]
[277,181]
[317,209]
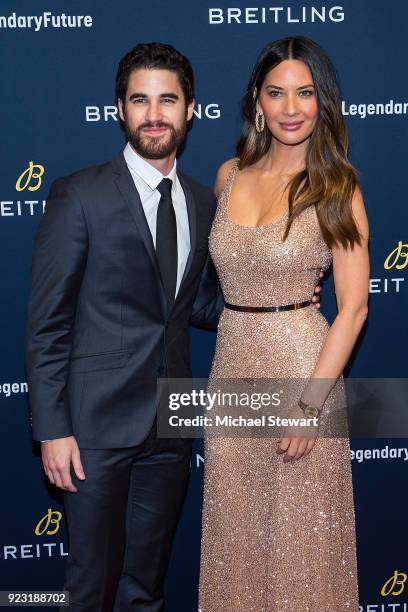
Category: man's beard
[155,147]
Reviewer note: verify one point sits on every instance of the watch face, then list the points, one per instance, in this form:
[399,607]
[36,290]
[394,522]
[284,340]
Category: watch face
[311,412]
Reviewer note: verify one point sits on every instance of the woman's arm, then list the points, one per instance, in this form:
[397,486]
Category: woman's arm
[351,281]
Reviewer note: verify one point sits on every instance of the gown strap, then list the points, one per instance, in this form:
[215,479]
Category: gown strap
[226,190]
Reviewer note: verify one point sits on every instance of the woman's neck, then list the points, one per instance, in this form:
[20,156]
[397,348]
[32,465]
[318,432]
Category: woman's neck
[284,159]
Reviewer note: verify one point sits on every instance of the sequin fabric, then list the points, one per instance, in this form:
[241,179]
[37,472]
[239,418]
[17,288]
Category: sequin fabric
[277,537]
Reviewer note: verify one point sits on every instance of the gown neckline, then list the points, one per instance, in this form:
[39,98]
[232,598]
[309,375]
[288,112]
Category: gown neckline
[228,189]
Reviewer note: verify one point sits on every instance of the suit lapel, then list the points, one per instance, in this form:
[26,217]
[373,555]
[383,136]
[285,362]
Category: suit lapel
[130,195]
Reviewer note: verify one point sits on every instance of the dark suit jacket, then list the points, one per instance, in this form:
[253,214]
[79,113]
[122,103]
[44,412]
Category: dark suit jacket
[99,334]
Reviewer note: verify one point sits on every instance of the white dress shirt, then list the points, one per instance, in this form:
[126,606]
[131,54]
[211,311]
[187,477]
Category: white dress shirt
[146,178]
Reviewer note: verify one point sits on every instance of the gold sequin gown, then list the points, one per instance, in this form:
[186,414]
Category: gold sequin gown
[276,537]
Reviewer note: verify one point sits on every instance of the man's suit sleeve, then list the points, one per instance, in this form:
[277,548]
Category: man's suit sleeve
[209,301]
[59,260]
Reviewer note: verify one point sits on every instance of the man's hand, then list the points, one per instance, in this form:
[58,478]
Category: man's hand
[57,456]
[316,296]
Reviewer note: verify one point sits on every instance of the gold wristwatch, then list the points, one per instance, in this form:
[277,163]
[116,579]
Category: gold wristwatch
[311,412]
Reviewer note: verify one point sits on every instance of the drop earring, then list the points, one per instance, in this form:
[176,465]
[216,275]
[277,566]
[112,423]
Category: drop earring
[259,122]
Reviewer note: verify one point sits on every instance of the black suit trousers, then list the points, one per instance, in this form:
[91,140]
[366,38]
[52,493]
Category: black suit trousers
[121,524]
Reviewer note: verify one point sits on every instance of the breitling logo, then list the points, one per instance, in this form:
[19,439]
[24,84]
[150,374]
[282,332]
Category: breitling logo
[394,585]
[49,524]
[398,258]
[110,113]
[31,178]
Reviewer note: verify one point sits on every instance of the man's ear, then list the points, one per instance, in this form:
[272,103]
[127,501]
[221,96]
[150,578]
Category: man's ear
[190,110]
[120,110]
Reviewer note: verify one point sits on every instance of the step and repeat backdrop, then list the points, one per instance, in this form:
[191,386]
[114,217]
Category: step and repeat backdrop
[58,63]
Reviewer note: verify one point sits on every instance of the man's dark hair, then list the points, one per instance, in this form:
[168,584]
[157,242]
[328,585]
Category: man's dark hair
[155,55]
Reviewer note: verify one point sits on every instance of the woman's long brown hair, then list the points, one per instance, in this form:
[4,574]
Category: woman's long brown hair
[328,180]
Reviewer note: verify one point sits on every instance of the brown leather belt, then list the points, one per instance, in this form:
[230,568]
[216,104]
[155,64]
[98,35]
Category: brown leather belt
[267,308]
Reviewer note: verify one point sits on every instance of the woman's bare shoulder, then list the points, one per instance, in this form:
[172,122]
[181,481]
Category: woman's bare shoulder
[222,175]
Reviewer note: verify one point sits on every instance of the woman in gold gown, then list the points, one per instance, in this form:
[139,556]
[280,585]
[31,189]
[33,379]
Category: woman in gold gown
[278,515]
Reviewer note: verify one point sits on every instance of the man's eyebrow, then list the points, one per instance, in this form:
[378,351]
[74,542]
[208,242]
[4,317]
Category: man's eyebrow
[171,95]
[136,94]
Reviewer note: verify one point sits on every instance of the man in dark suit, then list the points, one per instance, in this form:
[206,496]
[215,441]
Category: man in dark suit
[120,271]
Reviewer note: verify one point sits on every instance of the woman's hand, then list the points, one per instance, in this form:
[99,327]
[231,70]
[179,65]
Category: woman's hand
[297,440]
[316,294]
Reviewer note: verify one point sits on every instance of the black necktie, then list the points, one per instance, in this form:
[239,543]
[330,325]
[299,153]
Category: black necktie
[166,240]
